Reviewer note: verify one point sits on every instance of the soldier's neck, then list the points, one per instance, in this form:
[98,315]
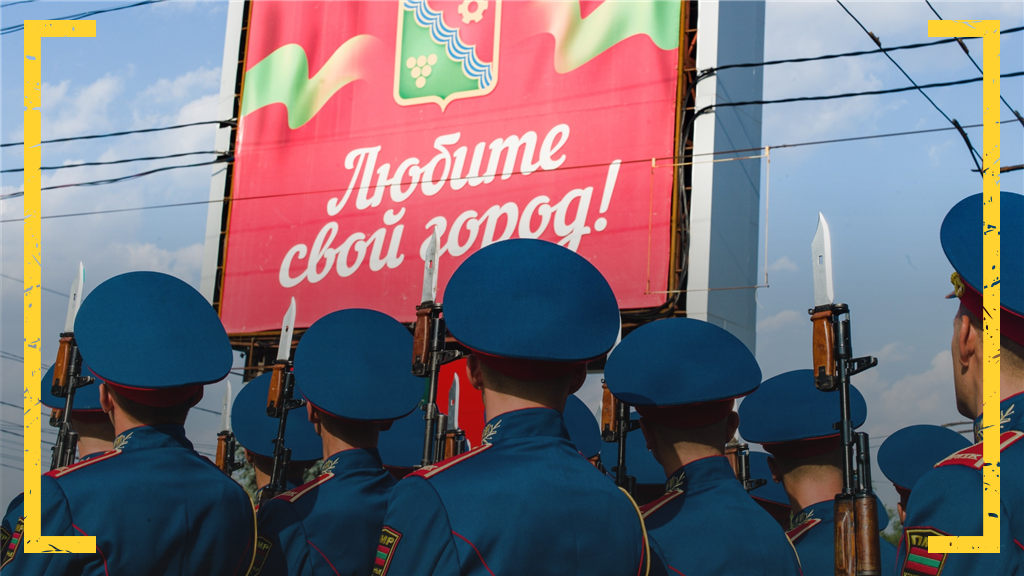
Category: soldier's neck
[333,444]
[805,490]
[677,455]
[498,403]
[89,445]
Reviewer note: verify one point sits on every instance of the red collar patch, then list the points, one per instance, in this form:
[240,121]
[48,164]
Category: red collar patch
[972,456]
[431,471]
[59,472]
[296,493]
[652,507]
[802,529]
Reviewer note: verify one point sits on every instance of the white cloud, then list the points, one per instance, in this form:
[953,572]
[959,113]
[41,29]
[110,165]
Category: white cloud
[780,320]
[68,113]
[893,352]
[185,86]
[781,264]
[184,263]
[923,398]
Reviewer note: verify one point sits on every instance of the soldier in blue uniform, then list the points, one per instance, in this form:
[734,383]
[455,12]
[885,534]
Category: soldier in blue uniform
[792,420]
[95,436]
[640,464]
[908,453]
[683,376]
[525,501]
[948,499]
[584,431]
[255,432]
[155,506]
[401,446]
[770,495]
[353,369]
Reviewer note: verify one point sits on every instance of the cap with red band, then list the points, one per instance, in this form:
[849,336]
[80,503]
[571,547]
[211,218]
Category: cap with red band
[531,309]
[681,372]
[791,418]
[153,338]
[961,237]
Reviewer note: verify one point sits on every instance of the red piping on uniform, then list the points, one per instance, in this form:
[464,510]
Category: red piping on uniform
[478,555]
[105,571]
[1018,544]
[325,557]
[243,555]
[643,546]
[676,571]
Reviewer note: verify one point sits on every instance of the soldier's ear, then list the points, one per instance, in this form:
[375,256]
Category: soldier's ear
[106,402]
[902,512]
[474,372]
[776,475]
[579,376]
[967,340]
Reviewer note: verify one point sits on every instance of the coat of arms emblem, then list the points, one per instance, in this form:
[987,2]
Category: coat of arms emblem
[446,50]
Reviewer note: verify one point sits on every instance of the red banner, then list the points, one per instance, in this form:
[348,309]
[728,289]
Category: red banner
[366,125]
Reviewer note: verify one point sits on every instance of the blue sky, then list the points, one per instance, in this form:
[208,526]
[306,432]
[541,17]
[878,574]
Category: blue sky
[884,199]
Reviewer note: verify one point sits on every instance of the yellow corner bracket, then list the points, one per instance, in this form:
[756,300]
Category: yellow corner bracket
[35,31]
[988,30]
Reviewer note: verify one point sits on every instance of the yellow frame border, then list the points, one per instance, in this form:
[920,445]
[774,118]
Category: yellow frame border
[35,31]
[988,30]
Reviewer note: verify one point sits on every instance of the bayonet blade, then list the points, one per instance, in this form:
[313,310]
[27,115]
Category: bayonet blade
[75,301]
[453,404]
[284,345]
[430,270]
[821,265]
[225,409]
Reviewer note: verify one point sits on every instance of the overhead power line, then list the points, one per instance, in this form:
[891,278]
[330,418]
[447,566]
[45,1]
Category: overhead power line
[707,71]
[110,162]
[222,123]
[851,94]
[45,289]
[8,4]
[122,178]
[646,160]
[82,15]
[968,53]
[975,156]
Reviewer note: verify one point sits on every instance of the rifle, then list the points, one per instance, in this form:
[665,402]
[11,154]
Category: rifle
[428,355]
[279,403]
[743,469]
[226,444]
[856,509]
[455,437]
[615,425]
[67,377]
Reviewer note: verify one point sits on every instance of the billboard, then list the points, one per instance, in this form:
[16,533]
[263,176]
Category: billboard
[366,126]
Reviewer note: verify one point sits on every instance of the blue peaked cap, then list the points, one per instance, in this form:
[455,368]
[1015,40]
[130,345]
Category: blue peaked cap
[402,445]
[908,453]
[531,300]
[256,431]
[776,493]
[584,431]
[640,463]
[354,364]
[87,398]
[148,330]
[788,408]
[771,492]
[680,361]
[961,236]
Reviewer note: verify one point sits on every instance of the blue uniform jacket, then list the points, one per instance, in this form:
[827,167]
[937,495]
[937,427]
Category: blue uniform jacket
[327,526]
[524,502]
[948,501]
[155,506]
[813,534]
[706,524]
[15,512]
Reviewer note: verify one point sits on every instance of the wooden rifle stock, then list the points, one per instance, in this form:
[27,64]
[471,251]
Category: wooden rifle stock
[609,415]
[421,337]
[276,392]
[222,451]
[845,536]
[869,561]
[64,363]
[279,403]
[66,378]
[823,348]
